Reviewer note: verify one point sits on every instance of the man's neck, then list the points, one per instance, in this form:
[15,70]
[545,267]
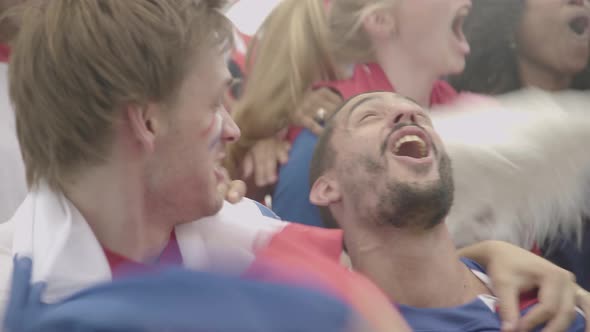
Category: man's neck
[407,77]
[535,75]
[419,269]
[111,200]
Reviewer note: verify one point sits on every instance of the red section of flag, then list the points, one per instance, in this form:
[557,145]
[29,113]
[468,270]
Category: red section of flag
[310,257]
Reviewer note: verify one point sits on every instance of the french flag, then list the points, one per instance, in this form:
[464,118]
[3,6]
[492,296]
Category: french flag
[238,242]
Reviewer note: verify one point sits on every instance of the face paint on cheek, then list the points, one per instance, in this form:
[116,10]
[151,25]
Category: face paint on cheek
[214,133]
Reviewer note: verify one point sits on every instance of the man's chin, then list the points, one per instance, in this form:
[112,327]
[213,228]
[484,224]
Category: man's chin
[213,206]
[217,204]
[421,179]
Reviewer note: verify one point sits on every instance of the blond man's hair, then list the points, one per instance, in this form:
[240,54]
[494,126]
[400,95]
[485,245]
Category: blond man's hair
[301,42]
[76,64]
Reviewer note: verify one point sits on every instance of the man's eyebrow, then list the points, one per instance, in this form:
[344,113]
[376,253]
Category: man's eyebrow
[412,100]
[359,103]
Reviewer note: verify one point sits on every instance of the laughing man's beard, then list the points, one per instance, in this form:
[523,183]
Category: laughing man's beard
[409,206]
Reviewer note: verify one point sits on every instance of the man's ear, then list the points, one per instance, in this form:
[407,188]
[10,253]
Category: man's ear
[380,25]
[145,123]
[325,191]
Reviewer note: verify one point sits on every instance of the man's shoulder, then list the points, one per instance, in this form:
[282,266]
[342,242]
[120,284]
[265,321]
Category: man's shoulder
[245,220]
[252,214]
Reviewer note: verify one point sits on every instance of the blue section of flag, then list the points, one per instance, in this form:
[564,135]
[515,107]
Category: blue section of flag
[173,300]
[266,211]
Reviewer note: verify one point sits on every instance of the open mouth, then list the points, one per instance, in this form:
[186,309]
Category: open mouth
[411,146]
[579,25]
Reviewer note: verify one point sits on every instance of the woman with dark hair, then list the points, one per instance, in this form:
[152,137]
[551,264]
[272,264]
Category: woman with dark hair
[520,43]
[532,43]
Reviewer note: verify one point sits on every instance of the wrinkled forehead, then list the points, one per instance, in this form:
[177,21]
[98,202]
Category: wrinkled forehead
[374,100]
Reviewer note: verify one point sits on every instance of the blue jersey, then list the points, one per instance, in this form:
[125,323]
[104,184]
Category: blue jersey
[173,300]
[291,195]
[478,315]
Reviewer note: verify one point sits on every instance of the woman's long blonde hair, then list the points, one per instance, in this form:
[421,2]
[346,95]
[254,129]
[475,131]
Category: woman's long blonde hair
[296,46]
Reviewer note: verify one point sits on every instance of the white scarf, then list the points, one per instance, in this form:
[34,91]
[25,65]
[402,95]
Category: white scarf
[68,257]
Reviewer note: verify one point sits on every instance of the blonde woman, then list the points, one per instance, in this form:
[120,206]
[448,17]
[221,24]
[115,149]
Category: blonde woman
[292,51]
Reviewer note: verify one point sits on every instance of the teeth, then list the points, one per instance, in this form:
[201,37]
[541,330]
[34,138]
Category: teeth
[411,138]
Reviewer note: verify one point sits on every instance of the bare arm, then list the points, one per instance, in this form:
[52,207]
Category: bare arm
[513,271]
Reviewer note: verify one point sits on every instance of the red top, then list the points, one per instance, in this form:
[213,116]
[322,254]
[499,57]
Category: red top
[4,53]
[121,266]
[370,77]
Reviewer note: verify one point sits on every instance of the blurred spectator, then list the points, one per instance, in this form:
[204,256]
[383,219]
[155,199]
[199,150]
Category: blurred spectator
[543,44]
[291,52]
[517,43]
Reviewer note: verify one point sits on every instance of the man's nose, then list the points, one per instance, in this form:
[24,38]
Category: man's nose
[231,131]
[405,116]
